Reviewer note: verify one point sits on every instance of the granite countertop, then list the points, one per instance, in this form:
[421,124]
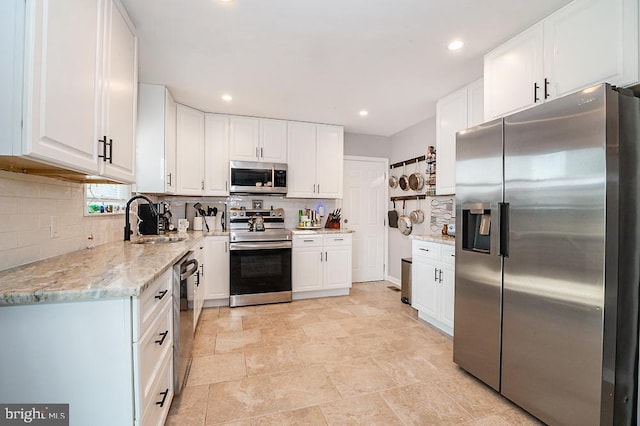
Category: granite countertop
[298,231]
[442,239]
[112,270]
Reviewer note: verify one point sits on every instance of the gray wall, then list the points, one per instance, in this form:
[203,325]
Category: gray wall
[367,145]
[409,143]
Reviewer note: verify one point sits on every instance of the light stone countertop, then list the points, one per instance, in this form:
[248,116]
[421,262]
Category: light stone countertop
[112,270]
[442,239]
[297,231]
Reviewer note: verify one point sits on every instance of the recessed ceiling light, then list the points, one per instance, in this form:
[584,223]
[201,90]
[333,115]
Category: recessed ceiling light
[227,98]
[455,45]
[364,113]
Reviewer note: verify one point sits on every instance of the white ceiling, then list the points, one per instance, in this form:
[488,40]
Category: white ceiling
[323,60]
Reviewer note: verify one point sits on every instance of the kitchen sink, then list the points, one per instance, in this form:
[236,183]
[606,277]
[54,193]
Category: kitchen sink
[159,239]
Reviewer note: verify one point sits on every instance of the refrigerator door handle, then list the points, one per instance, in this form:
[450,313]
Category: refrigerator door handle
[503,226]
[500,225]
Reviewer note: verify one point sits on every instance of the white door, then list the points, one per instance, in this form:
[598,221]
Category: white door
[364,211]
[273,140]
[64,83]
[170,143]
[591,41]
[243,138]
[216,155]
[301,154]
[510,72]
[216,261]
[120,87]
[307,268]
[451,117]
[190,150]
[337,267]
[329,163]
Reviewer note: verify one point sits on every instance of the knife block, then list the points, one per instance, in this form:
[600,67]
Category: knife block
[332,222]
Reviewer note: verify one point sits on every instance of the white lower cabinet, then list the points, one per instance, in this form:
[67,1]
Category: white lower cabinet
[153,351]
[216,261]
[321,265]
[109,359]
[433,283]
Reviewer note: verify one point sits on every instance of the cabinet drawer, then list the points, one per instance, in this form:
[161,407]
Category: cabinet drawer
[157,405]
[448,254]
[426,250]
[337,239]
[149,352]
[150,302]
[313,240]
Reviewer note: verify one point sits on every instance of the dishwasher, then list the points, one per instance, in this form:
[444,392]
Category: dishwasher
[184,276]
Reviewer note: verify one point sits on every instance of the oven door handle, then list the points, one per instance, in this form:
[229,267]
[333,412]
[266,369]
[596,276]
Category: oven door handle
[186,273]
[273,245]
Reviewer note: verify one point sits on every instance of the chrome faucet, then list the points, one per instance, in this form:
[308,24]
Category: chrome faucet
[127,223]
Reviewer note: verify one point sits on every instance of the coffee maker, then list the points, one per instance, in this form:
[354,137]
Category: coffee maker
[152,224]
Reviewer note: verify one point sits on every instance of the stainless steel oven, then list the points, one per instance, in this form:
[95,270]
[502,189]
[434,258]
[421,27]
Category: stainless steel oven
[260,260]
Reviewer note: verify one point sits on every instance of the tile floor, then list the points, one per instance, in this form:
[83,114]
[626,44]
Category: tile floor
[363,359]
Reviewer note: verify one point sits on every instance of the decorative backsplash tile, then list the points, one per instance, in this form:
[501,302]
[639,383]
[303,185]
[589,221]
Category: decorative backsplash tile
[442,213]
[27,205]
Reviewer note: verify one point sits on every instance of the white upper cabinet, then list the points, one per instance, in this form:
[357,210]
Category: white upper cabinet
[585,43]
[460,110]
[216,158]
[475,103]
[329,160]
[273,140]
[244,134]
[589,42]
[119,94]
[315,153]
[190,150]
[156,140]
[258,139]
[301,151]
[64,95]
[512,73]
[80,85]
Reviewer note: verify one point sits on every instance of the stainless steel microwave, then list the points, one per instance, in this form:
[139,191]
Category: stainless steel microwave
[249,177]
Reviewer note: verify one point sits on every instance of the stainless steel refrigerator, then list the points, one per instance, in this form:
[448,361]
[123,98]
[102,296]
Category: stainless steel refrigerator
[547,259]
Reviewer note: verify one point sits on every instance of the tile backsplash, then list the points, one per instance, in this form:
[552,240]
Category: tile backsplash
[27,204]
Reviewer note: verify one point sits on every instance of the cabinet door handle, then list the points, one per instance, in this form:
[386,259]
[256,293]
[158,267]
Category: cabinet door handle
[202,185]
[314,188]
[103,141]
[535,92]
[164,398]
[169,177]
[320,256]
[435,274]
[338,239]
[307,241]
[424,249]
[261,153]
[326,256]
[110,151]
[161,294]
[164,336]
[546,88]
[318,188]
[198,279]
[226,185]
[440,276]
